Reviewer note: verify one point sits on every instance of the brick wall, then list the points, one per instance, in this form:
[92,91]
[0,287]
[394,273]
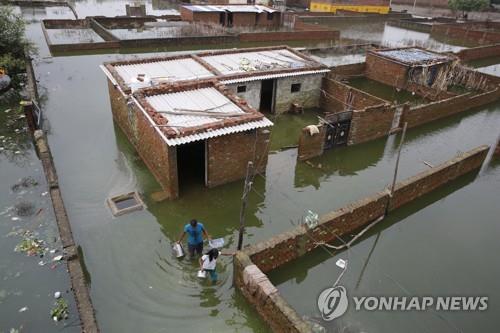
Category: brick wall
[262,20]
[308,96]
[207,17]
[296,242]
[336,93]
[263,295]
[348,71]
[228,155]
[480,52]
[424,3]
[289,35]
[160,159]
[385,71]
[472,32]
[244,19]
[311,146]
[251,264]
[429,180]
[419,115]
[370,124]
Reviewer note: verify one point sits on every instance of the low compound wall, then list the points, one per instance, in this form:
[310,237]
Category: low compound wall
[478,33]
[371,123]
[251,264]
[423,114]
[480,52]
[311,145]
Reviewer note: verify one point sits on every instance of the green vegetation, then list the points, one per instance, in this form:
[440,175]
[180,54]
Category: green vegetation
[468,5]
[13,44]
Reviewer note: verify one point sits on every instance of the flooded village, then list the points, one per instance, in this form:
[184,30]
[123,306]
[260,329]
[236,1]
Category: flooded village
[234,166]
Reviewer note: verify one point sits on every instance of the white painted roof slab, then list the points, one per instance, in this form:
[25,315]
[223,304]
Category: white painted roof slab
[167,70]
[244,62]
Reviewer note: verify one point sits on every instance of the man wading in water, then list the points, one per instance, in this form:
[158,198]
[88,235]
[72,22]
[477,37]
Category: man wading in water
[195,231]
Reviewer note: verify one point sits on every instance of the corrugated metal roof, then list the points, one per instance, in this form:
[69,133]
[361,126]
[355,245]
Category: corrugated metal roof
[273,76]
[412,55]
[172,70]
[202,100]
[220,132]
[231,8]
[244,62]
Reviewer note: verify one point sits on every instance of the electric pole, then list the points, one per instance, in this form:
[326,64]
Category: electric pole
[244,199]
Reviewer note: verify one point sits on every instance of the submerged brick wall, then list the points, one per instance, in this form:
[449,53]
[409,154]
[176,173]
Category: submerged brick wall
[370,124]
[348,71]
[335,95]
[228,155]
[419,115]
[160,159]
[263,295]
[311,145]
[429,180]
[474,32]
[250,264]
[480,52]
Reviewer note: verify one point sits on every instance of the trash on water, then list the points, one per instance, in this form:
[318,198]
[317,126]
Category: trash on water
[216,243]
[15,218]
[341,263]
[60,311]
[202,274]
[57,258]
[57,295]
[23,309]
[31,246]
[41,263]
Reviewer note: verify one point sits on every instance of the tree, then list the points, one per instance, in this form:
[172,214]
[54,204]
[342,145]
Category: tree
[13,44]
[468,5]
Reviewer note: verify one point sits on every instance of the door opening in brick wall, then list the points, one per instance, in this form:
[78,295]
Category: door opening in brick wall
[191,164]
[222,18]
[267,93]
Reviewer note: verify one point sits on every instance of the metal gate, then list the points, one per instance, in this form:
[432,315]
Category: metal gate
[337,129]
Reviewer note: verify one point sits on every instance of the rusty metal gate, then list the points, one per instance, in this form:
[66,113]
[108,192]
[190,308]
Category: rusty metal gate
[337,129]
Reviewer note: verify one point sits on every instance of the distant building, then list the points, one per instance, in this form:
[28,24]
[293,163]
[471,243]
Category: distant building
[363,6]
[195,116]
[232,15]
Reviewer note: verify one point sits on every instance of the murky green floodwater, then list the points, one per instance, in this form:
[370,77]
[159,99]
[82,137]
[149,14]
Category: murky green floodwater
[137,286]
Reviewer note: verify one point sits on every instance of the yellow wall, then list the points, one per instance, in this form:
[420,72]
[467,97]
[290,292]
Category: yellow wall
[332,8]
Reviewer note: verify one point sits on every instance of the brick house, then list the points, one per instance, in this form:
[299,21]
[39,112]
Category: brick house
[232,15]
[189,118]
[396,67]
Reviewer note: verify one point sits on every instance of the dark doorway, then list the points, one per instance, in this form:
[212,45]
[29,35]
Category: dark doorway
[229,19]
[267,96]
[191,164]
[222,18]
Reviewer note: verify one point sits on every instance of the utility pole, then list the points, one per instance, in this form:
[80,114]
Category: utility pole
[397,159]
[244,199]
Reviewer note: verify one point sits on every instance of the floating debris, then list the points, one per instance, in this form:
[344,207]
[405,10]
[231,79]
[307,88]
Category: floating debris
[60,311]
[25,208]
[57,258]
[57,295]
[25,182]
[23,309]
[31,246]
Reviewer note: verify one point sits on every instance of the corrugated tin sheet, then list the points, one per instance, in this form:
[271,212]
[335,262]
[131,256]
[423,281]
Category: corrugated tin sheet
[244,62]
[195,100]
[274,76]
[172,70]
[231,8]
[412,55]
[220,132]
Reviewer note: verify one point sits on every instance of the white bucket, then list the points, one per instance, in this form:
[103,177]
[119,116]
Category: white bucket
[178,250]
[202,274]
